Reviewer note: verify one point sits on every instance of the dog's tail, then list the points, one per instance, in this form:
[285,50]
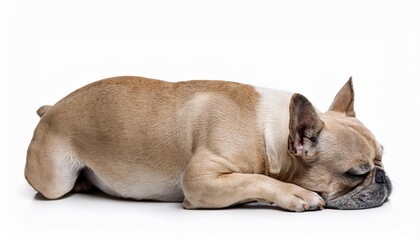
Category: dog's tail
[42,110]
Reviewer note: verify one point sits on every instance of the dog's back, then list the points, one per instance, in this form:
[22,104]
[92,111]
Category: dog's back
[140,131]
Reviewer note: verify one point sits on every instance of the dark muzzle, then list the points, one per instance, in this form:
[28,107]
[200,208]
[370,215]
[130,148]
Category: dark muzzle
[372,192]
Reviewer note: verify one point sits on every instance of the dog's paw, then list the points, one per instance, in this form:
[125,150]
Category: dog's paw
[298,199]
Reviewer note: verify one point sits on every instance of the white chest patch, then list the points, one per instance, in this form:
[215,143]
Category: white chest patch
[273,112]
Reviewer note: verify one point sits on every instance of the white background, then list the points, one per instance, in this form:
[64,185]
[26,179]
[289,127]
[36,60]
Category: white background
[50,48]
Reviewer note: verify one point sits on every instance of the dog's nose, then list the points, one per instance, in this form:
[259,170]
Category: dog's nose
[380,176]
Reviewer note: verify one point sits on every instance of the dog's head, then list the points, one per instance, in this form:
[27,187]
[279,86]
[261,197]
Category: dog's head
[340,157]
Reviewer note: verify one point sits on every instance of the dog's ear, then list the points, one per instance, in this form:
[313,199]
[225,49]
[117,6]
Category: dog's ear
[344,100]
[304,127]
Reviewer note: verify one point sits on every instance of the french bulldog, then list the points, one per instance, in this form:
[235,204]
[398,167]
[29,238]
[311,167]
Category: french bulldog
[210,144]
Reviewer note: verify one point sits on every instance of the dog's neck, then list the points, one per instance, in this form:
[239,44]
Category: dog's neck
[274,122]
[283,165]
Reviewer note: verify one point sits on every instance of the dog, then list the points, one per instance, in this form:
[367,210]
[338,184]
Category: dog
[208,144]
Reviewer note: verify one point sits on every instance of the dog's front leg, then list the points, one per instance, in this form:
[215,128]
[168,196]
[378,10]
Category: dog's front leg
[210,181]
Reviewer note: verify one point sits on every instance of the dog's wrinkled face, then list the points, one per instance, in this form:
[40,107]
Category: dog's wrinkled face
[348,172]
[341,156]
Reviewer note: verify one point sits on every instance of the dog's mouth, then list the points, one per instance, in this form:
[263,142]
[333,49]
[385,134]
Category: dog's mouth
[372,192]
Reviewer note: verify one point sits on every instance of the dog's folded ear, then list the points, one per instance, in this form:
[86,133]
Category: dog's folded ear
[304,127]
[344,100]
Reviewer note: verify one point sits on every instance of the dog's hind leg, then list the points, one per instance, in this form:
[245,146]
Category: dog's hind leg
[51,166]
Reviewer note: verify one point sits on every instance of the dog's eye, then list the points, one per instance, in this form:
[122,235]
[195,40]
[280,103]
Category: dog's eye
[355,175]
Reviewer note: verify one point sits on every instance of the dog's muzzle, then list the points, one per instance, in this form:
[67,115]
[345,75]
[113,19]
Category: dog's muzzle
[372,192]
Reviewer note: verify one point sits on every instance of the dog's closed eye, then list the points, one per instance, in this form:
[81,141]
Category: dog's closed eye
[358,172]
[356,175]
